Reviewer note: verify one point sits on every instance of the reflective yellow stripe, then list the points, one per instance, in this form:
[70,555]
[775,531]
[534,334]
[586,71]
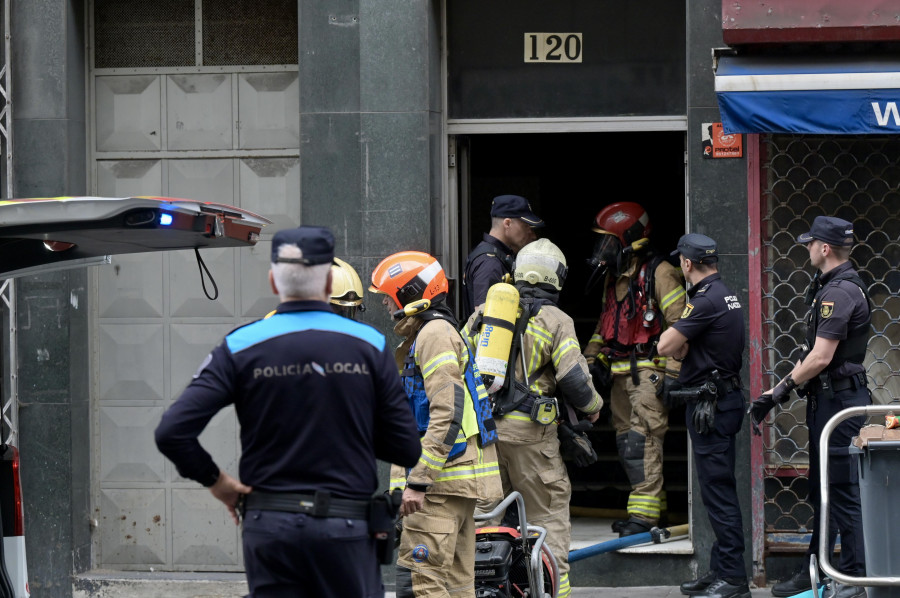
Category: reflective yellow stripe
[397,483]
[595,405]
[540,338]
[517,415]
[564,588]
[432,461]
[438,361]
[466,472]
[597,339]
[672,297]
[534,363]
[645,513]
[619,367]
[642,504]
[567,345]
[539,332]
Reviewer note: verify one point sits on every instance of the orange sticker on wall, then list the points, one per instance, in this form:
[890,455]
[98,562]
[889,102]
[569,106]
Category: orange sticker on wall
[717,144]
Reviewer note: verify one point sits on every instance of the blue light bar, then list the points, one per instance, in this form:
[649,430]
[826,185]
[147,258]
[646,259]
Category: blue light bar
[165,219]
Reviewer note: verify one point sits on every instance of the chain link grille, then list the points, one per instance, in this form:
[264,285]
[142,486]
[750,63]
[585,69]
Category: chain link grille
[857,179]
[138,33]
[249,32]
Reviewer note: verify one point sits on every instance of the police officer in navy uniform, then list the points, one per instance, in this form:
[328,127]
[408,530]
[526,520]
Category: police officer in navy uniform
[512,228]
[832,369]
[709,338]
[318,398]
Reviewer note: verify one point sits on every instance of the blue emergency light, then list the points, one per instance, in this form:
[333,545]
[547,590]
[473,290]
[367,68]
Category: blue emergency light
[165,219]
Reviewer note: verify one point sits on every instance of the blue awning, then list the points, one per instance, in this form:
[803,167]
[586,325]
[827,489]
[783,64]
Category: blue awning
[798,95]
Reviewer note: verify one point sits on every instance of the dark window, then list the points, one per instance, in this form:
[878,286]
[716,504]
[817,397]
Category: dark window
[138,33]
[249,32]
[162,33]
[632,58]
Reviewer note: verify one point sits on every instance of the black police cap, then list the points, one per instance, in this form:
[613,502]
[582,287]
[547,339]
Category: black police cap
[315,242]
[831,230]
[697,248]
[514,206]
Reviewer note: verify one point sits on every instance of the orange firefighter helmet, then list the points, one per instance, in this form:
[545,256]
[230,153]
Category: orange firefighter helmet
[409,276]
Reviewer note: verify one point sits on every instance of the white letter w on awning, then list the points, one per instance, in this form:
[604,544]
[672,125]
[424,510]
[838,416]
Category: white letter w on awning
[889,109]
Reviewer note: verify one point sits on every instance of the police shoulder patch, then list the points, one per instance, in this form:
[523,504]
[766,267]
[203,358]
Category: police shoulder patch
[827,309]
[203,365]
[688,308]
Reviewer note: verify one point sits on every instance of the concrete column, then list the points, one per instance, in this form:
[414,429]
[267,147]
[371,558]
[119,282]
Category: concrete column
[47,70]
[370,127]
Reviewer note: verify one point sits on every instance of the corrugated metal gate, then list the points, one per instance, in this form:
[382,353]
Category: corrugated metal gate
[858,179]
[195,99]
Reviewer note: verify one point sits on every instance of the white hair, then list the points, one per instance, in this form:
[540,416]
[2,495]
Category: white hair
[298,281]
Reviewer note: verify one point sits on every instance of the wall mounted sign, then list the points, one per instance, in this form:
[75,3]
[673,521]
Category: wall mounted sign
[553,47]
[719,144]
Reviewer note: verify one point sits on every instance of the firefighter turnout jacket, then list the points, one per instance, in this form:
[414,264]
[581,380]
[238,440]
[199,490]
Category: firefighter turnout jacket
[440,353]
[620,332]
[551,350]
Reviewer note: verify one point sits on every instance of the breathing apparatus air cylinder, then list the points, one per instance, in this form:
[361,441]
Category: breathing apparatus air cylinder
[496,334]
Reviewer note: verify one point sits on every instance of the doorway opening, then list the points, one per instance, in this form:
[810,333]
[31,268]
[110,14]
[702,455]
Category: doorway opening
[568,178]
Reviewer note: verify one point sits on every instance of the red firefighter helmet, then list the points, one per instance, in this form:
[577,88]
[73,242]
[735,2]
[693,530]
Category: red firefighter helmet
[625,219]
[409,276]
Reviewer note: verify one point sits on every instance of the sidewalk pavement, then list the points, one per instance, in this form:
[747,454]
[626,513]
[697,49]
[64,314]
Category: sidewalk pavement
[141,584]
[637,592]
[648,592]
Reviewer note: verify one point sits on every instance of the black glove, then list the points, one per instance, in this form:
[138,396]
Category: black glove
[575,446]
[758,410]
[782,391]
[663,392]
[602,378]
[704,418]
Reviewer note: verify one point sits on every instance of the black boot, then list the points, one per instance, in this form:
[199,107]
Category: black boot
[839,590]
[631,527]
[699,585]
[798,583]
[731,588]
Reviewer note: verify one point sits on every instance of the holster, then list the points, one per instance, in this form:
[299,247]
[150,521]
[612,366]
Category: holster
[816,389]
[824,390]
[704,417]
[383,510]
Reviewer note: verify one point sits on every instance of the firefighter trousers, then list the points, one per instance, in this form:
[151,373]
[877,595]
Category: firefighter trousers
[437,549]
[530,463]
[641,422]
